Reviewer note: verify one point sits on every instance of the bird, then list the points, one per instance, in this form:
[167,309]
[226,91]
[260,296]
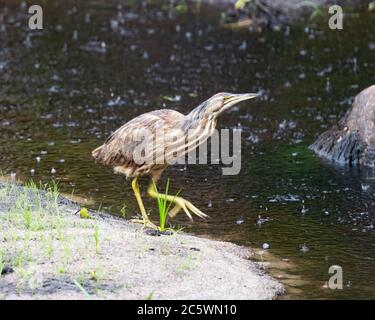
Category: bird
[120,150]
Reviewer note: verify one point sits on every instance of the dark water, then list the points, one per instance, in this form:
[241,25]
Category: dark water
[97,64]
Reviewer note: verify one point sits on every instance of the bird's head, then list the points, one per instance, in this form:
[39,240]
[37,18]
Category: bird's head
[222,101]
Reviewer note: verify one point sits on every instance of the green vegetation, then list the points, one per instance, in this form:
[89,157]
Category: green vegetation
[32,230]
[163,205]
[96,237]
[123,211]
[317,9]
[180,7]
[241,4]
[149,296]
[82,289]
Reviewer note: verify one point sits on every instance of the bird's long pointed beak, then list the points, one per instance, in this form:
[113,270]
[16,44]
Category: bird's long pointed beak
[236,98]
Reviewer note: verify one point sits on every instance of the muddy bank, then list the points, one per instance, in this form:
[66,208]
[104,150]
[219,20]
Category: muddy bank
[47,251]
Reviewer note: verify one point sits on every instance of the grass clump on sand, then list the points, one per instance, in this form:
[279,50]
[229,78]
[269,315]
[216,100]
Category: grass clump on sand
[163,205]
[33,230]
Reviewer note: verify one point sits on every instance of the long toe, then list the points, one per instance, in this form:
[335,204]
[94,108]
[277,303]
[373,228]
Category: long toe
[149,224]
[145,224]
[181,202]
[196,211]
[140,221]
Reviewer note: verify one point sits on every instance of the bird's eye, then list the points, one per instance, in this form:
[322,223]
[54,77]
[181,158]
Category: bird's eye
[226,99]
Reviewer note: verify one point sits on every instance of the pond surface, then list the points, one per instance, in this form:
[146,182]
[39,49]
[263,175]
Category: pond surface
[98,64]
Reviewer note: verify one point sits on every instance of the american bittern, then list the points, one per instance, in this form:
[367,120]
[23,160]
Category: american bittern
[120,148]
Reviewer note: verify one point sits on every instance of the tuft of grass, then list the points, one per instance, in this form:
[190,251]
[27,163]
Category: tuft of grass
[96,237]
[241,4]
[82,289]
[35,207]
[150,296]
[123,211]
[27,216]
[163,205]
[185,265]
[317,10]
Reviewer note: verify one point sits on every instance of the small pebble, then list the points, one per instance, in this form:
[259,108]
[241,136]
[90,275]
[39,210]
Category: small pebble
[6,270]
[195,249]
[157,233]
[166,232]
[152,232]
[53,171]
[265,246]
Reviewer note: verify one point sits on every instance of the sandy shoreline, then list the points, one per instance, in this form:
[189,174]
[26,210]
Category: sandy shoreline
[48,252]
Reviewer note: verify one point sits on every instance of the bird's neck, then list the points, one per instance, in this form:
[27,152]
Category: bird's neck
[200,118]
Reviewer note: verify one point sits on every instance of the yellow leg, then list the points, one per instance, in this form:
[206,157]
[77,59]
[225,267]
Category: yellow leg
[145,220]
[180,203]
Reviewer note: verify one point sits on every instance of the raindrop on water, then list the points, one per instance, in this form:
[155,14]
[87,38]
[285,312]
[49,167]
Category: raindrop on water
[304,248]
[240,221]
[75,35]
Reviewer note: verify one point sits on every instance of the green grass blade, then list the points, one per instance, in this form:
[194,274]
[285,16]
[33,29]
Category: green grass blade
[82,289]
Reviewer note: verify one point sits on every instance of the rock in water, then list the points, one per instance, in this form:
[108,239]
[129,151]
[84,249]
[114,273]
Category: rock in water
[352,140]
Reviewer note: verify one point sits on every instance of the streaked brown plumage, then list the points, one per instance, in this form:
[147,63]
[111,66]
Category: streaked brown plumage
[118,150]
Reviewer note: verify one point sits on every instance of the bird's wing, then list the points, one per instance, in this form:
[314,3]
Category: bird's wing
[119,148]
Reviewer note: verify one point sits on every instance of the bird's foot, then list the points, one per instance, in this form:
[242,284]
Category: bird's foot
[188,208]
[146,223]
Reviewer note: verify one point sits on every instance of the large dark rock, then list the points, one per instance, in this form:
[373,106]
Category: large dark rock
[352,140]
